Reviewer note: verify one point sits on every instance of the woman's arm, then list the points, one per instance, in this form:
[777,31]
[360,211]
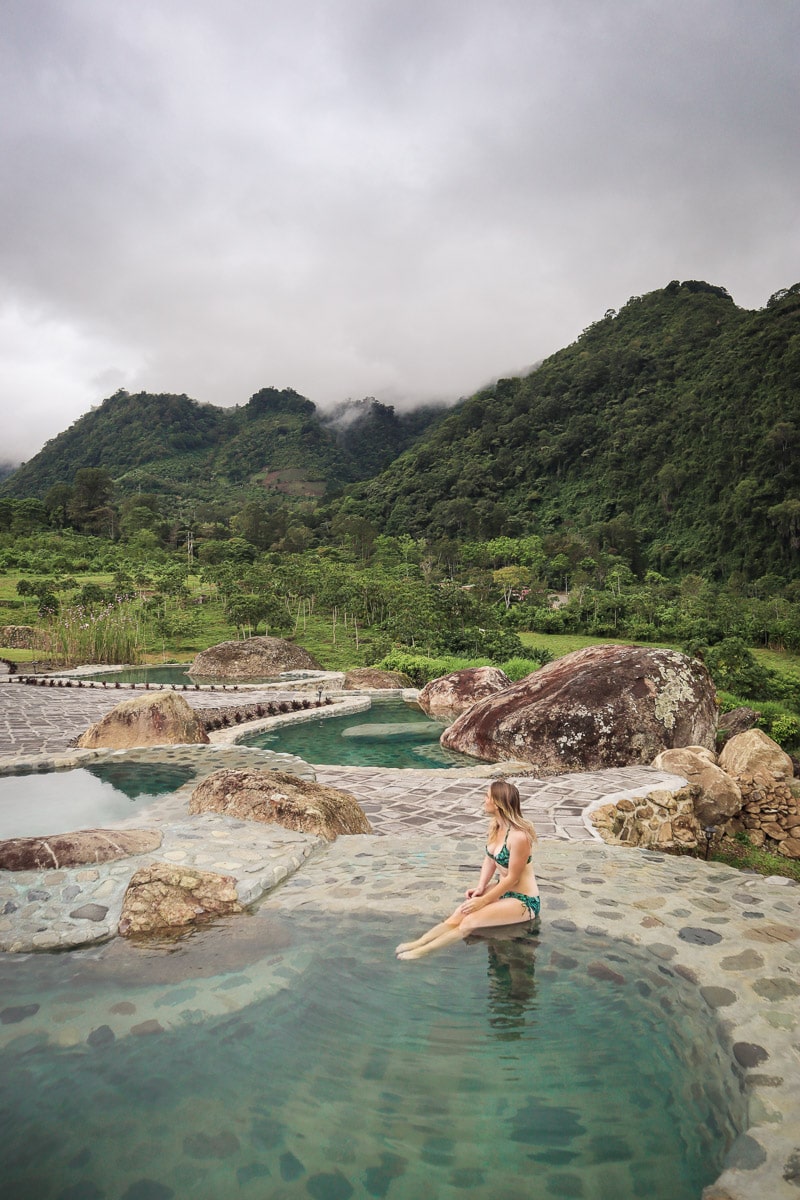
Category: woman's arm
[519,848]
[487,871]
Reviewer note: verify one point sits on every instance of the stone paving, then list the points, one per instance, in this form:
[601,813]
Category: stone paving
[639,920]
[35,720]
[451,802]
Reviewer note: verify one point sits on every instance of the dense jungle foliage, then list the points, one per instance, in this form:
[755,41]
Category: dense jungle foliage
[669,433]
[667,436]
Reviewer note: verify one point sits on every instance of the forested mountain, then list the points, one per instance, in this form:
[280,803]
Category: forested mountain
[278,442]
[668,432]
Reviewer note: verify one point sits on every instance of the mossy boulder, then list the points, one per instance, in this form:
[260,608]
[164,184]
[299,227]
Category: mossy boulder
[605,706]
[371,678]
[275,796]
[450,695]
[163,897]
[252,658]
[154,719]
[77,849]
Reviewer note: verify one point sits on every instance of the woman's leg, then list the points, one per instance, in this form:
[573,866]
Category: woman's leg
[453,921]
[500,912]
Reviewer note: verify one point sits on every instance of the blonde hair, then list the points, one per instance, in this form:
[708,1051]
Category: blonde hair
[507,802]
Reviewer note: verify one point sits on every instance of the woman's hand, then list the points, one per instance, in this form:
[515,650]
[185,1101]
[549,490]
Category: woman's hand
[470,893]
[474,903]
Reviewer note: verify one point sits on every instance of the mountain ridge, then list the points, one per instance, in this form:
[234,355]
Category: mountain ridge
[170,444]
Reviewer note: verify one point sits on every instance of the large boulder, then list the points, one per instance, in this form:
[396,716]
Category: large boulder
[361,678]
[753,755]
[453,694]
[154,719]
[719,797]
[75,849]
[275,796]
[605,706]
[164,897]
[253,658]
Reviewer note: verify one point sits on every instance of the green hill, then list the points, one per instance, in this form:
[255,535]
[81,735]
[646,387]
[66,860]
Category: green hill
[168,444]
[669,431]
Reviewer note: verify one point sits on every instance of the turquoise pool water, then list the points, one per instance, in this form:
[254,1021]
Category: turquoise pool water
[389,734]
[43,803]
[496,1069]
[176,673]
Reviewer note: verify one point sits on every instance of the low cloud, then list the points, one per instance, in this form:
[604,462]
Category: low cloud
[399,199]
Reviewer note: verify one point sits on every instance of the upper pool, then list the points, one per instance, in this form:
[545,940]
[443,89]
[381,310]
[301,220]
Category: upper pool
[178,674]
[389,734]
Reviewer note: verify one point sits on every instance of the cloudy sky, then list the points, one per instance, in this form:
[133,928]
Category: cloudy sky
[400,198]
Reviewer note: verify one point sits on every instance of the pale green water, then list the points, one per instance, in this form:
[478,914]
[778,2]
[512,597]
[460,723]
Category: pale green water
[389,734]
[495,1070]
[43,803]
[176,673]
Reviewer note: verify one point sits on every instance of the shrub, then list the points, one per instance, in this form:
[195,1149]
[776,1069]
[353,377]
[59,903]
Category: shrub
[421,669]
[488,643]
[518,668]
[735,668]
[785,730]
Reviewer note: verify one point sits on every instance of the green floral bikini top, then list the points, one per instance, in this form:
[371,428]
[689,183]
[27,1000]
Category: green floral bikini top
[503,856]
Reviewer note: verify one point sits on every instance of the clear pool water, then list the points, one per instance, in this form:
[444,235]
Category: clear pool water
[496,1069]
[389,734]
[168,674]
[43,803]
[178,673]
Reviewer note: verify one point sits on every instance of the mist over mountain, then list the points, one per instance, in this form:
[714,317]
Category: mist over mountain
[170,444]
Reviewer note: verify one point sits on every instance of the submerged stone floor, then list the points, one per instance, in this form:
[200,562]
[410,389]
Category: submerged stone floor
[648,920]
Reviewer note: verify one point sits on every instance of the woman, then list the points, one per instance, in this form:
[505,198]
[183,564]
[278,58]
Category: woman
[512,900]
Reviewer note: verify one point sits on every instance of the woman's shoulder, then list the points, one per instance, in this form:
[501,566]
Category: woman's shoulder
[519,837]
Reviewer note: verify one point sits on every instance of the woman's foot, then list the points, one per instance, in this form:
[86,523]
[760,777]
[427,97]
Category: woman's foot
[403,947]
[407,955]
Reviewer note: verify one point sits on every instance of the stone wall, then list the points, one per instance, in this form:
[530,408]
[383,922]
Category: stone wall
[663,820]
[667,820]
[770,815]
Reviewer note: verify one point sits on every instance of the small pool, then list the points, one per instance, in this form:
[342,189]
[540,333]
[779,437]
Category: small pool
[178,673]
[389,734]
[503,1068]
[173,673]
[43,803]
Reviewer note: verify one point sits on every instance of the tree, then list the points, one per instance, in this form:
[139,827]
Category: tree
[511,580]
[248,610]
[90,507]
[57,502]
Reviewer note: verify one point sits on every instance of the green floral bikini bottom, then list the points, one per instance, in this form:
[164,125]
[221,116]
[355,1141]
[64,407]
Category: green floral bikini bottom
[532,903]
